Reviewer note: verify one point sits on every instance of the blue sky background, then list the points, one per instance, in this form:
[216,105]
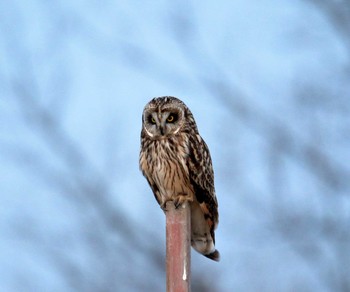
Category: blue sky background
[268,84]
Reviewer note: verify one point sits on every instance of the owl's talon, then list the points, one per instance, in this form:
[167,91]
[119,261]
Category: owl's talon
[163,207]
[177,203]
[180,200]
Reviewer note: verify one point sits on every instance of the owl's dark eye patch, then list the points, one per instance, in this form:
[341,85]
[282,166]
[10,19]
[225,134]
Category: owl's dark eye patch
[151,119]
[172,118]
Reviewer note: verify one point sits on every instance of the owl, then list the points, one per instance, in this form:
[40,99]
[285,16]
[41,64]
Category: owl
[177,165]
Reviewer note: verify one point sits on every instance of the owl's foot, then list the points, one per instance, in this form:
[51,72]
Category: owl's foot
[163,205]
[180,199]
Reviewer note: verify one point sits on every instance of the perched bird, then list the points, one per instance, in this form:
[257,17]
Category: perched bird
[177,165]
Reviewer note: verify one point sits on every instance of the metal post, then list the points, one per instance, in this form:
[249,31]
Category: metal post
[178,247]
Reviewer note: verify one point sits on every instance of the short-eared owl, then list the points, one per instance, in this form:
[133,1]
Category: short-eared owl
[177,165]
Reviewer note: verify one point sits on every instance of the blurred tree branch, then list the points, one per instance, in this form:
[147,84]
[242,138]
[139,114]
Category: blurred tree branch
[338,15]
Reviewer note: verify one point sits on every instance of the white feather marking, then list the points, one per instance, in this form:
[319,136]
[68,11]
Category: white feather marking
[177,130]
[148,132]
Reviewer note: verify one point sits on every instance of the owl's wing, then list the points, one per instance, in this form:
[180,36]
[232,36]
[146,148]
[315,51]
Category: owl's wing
[154,188]
[202,178]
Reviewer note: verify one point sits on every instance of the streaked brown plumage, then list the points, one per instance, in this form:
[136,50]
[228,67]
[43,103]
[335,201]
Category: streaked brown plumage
[177,165]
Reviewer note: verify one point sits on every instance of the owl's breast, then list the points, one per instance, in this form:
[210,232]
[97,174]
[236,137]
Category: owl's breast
[170,171]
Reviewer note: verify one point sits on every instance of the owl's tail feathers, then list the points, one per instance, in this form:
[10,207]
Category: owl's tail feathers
[215,255]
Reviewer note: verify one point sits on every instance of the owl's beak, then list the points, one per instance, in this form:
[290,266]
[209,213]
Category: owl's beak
[161,130]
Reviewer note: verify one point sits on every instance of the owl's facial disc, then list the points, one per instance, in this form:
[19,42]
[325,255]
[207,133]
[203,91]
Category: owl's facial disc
[162,123]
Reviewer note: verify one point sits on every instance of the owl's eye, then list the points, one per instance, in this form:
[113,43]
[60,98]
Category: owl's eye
[171,118]
[151,119]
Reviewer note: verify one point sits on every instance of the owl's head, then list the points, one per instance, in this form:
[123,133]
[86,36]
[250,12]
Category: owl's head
[165,116]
